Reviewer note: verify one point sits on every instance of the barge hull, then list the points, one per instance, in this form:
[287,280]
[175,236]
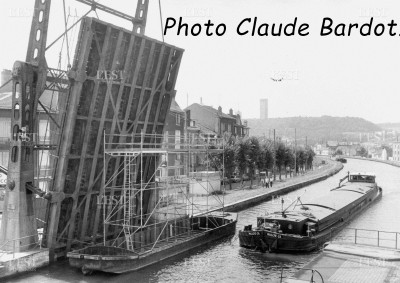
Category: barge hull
[277,242]
[128,261]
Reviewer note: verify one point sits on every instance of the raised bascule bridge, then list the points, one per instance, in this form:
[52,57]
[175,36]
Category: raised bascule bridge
[93,173]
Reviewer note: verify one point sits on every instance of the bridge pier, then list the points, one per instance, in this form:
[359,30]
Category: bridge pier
[18,229]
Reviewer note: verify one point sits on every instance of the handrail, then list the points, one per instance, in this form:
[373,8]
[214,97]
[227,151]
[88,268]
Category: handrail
[357,237]
[7,242]
[371,230]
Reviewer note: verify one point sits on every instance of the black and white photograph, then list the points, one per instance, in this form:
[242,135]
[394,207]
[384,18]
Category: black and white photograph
[200,141]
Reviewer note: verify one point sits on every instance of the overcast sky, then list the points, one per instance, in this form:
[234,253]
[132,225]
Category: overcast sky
[337,76]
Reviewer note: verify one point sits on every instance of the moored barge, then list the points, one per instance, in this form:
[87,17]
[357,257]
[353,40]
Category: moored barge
[309,225]
[206,229]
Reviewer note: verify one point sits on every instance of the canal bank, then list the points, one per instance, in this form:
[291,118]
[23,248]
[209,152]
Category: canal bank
[243,198]
[393,163]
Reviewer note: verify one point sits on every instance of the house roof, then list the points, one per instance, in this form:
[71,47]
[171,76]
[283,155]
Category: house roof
[175,107]
[47,99]
[332,143]
[214,111]
[5,100]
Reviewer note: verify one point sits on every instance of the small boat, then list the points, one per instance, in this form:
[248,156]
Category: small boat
[206,229]
[309,225]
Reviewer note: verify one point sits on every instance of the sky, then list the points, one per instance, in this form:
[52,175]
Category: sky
[338,76]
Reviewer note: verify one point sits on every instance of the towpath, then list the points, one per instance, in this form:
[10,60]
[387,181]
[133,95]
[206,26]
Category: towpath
[242,197]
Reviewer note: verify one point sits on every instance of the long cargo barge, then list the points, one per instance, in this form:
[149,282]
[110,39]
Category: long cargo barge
[309,225]
[205,229]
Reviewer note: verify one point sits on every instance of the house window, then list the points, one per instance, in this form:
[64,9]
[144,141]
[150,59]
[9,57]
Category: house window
[229,128]
[178,119]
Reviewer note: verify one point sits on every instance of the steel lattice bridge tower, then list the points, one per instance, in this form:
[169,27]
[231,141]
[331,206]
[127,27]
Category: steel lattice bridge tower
[62,198]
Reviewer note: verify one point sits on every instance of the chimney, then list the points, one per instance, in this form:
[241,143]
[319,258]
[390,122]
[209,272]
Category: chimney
[231,112]
[219,109]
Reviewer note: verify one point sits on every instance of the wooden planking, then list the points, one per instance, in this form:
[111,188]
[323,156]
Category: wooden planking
[81,212]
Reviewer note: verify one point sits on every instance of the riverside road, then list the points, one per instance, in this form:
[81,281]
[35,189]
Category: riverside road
[225,261]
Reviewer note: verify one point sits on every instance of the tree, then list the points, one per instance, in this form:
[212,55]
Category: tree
[242,158]
[266,155]
[338,152]
[300,159]
[389,150]
[361,151]
[280,155]
[254,157]
[247,155]
[226,159]
[310,158]
[289,160]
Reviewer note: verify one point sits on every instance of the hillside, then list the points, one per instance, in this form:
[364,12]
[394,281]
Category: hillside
[390,126]
[315,128]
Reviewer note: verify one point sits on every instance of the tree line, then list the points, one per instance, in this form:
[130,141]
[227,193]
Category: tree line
[247,154]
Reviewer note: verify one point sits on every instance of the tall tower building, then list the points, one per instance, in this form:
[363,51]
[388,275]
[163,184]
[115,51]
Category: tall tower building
[264,108]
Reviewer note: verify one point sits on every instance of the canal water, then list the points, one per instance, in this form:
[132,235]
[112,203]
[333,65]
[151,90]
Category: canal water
[225,261]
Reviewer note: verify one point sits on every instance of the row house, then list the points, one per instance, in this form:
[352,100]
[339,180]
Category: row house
[396,151]
[174,134]
[214,123]
[239,129]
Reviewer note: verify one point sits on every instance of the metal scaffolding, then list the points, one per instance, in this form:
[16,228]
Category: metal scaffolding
[159,205]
